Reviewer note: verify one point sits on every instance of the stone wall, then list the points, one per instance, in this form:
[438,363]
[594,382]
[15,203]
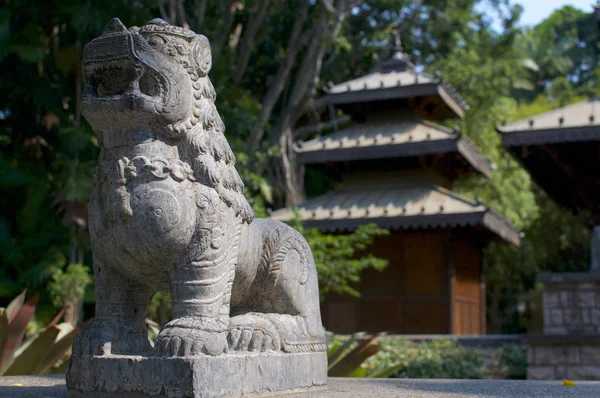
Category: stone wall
[551,359]
[571,303]
[569,347]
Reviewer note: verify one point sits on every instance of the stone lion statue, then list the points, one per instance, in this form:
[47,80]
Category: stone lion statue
[168,212]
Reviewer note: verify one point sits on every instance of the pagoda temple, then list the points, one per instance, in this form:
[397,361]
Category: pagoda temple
[396,169]
[560,148]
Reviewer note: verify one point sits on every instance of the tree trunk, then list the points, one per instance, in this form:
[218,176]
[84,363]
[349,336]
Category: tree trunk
[73,309]
[218,46]
[291,176]
[234,37]
[201,15]
[172,12]
[163,12]
[247,42]
[181,17]
[295,44]
[495,318]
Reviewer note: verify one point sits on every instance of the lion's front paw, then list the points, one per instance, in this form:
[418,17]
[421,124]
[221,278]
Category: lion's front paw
[253,332]
[104,336]
[180,341]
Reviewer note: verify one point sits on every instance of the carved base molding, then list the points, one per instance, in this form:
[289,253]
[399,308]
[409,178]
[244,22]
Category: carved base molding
[230,375]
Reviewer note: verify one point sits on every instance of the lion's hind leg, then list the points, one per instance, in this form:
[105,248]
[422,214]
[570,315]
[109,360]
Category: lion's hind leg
[283,299]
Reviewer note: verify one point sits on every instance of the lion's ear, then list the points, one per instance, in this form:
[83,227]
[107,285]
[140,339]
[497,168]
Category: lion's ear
[202,55]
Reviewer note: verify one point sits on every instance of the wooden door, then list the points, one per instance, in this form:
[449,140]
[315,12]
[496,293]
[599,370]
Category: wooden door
[424,284]
[468,303]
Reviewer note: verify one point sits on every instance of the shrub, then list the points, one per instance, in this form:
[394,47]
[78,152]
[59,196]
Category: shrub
[440,359]
[347,357]
[67,288]
[514,359]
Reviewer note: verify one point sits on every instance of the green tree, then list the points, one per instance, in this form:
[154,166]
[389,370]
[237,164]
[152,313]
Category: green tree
[565,45]
[341,258]
[67,288]
[46,151]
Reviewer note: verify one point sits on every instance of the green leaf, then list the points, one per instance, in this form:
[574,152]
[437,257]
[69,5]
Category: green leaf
[342,349]
[61,369]
[67,58]
[57,317]
[266,191]
[359,372]
[16,331]
[15,305]
[27,53]
[352,361]
[387,371]
[60,347]
[3,330]
[31,357]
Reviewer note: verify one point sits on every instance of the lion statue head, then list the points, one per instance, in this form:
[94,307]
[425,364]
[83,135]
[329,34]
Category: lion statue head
[151,82]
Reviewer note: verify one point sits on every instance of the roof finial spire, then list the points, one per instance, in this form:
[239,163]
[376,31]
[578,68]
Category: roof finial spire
[399,60]
[398,41]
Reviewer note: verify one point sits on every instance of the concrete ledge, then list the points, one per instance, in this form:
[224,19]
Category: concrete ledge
[562,277]
[54,387]
[562,339]
[482,341]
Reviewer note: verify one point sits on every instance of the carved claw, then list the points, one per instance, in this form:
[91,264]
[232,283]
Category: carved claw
[176,341]
[250,332]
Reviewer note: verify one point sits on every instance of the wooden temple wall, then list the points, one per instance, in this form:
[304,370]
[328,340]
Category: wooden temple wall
[468,303]
[413,294]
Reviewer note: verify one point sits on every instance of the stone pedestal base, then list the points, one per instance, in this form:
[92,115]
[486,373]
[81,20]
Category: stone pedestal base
[198,377]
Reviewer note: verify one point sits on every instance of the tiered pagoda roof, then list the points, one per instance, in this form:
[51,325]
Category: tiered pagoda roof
[400,201]
[391,136]
[388,137]
[397,78]
[572,123]
[560,148]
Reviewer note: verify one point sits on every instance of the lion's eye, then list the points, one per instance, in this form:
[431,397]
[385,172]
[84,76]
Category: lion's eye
[181,49]
[156,40]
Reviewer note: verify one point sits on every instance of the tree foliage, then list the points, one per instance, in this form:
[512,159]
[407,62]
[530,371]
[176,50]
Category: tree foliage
[554,239]
[341,258]
[47,152]
[67,288]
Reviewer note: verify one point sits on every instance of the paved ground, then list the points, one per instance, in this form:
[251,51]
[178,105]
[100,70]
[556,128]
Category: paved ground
[54,387]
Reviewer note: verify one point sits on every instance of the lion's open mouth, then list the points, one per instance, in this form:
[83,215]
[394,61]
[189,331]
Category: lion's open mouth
[113,79]
[115,73]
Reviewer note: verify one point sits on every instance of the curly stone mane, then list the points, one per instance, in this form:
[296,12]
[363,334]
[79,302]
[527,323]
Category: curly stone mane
[213,159]
[205,145]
